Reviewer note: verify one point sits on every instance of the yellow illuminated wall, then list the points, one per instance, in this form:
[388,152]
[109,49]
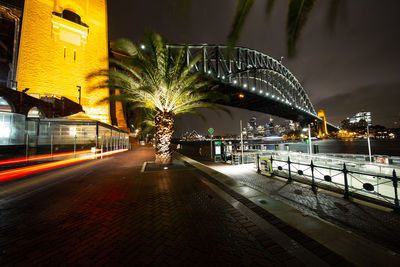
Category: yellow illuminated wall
[56,54]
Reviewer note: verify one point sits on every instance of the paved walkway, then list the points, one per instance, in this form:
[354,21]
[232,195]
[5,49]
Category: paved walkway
[372,222]
[109,213]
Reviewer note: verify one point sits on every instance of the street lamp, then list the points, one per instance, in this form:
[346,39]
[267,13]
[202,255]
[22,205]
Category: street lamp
[368,139]
[241,140]
[309,138]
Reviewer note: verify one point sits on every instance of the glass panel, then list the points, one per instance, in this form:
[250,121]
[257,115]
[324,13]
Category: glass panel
[4,106]
[35,113]
[12,128]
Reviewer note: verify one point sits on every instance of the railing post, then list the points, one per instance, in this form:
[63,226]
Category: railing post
[290,179]
[271,170]
[312,176]
[346,184]
[396,197]
[258,163]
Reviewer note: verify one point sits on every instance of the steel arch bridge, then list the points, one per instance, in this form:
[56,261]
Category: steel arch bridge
[253,81]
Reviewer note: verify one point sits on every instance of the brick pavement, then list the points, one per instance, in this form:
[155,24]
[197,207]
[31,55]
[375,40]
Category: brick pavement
[113,214]
[380,226]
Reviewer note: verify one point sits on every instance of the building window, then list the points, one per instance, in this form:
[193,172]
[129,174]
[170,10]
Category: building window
[71,16]
[35,113]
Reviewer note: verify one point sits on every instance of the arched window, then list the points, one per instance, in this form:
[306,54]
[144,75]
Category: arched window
[69,15]
[35,113]
[4,105]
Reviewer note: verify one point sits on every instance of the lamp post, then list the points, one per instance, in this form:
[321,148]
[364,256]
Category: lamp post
[369,144]
[211,146]
[241,139]
[211,131]
[368,139]
[309,138]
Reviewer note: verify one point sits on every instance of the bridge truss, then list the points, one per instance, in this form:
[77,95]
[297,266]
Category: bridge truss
[265,83]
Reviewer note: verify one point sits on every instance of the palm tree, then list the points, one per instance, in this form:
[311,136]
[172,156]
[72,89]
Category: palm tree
[160,81]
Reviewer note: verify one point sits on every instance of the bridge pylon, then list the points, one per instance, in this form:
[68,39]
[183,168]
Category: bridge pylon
[322,128]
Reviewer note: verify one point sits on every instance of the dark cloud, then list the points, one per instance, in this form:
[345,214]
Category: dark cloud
[382,100]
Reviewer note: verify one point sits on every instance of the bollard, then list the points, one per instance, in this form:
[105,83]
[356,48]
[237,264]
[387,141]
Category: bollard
[346,184]
[27,148]
[75,146]
[95,150]
[51,146]
[102,141]
[396,197]
[258,164]
[290,179]
[312,177]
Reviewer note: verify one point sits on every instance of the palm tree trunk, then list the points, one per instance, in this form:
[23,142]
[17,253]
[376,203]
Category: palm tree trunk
[164,128]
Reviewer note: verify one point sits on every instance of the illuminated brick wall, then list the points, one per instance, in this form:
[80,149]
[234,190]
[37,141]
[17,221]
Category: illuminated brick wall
[56,54]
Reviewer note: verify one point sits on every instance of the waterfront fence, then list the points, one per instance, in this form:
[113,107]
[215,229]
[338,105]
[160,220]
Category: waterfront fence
[368,181]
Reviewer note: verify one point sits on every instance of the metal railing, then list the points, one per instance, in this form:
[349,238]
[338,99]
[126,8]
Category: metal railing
[370,184]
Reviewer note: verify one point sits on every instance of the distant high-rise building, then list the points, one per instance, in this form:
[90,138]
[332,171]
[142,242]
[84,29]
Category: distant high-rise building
[363,115]
[269,128]
[260,131]
[252,127]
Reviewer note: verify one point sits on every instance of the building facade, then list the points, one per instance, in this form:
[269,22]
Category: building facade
[363,115]
[63,42]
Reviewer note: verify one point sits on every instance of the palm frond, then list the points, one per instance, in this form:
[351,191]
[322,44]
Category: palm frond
[335,8]
[124,47]
[242,9]
[298,13]
[269,6]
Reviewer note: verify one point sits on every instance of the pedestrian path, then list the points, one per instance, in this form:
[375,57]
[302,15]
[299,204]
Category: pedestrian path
[115,212]
[279,198]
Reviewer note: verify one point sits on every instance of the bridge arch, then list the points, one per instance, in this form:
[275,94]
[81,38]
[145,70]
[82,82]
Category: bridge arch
[264,79]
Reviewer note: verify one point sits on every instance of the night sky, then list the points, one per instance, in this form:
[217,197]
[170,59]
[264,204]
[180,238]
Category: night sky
[352,68]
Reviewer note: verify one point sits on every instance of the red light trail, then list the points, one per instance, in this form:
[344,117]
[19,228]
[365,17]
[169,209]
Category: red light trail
[16,173]
[48,156]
